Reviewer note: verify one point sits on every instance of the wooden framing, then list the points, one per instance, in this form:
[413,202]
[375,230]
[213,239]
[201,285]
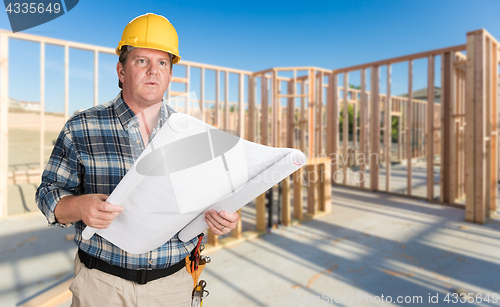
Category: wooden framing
[468,121]
[202,93]
[400,138]
[264,130]
[251,110]
[285,202]
[494,121]
[375,128]
[274,109]
[42,107]
[401,59]
[217,121]
[236,233]
[241,105]
[297,194]
[281,121]
[416,130]
[226,100]
[186,93]
[416,118]
[55,296]
[324,188]
[4,121]
[354,132]
[333,121]
[481,128]
[408,126]
[345,129]
[212,239]
[460,88]
[363,134]
[474,205]
[488,131]
[290,130]
[260,217]
[448,148]
[303,120]
[311,114]
[312,193]
[319,115]
[430,127]
[388,132]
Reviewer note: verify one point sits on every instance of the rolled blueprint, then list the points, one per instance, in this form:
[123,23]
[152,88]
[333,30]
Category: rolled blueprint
[188,168]
[253,188]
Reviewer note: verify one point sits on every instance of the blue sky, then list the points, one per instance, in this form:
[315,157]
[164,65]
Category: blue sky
[250,35]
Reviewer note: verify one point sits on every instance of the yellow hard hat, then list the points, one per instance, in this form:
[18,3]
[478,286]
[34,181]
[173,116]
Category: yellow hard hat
[151,31]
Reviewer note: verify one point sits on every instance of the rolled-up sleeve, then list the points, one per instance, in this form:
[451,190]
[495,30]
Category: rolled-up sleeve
[61,177]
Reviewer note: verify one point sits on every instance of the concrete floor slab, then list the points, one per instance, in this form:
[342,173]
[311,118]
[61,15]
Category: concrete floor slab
[371,245]
[33,257]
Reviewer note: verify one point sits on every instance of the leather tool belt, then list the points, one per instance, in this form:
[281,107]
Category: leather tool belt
[141,276]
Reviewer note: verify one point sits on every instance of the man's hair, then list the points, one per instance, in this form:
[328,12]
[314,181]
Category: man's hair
[123,59]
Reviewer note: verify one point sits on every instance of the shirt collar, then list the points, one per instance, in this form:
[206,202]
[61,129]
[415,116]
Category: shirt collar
[166,111]
[128,118]
[124,113]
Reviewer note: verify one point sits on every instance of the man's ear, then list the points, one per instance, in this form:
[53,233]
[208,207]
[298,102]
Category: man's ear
[120,71]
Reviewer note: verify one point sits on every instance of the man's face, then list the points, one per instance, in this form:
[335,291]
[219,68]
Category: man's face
[145,76]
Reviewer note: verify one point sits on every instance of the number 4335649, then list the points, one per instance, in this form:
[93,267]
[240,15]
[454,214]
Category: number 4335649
[471,298]
[33,8]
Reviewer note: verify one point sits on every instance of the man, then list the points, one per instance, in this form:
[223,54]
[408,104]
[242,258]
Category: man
[93,152]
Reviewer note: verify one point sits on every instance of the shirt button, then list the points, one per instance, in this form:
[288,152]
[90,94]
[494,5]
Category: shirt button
[150,261]
[137,141]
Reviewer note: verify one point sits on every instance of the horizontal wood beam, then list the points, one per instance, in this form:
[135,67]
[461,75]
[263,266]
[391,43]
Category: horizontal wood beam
[401,59]
[292,96]
[179,80]
[57,42]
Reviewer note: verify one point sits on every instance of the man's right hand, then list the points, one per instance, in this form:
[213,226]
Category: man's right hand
[96,212]
[92,209]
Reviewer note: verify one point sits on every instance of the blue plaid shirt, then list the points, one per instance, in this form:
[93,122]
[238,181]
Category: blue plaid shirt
[93,152]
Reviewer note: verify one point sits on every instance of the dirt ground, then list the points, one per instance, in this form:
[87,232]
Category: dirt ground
[31,121]
[24,155]
[24,139]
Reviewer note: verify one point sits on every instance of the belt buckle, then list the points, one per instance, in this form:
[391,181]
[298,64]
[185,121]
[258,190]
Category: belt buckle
[142,275]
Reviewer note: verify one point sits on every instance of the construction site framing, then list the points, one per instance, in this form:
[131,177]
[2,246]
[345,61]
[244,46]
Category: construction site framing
[302,107]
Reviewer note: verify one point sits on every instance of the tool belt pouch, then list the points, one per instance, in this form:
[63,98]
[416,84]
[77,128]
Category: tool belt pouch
[194,273]
[193,265]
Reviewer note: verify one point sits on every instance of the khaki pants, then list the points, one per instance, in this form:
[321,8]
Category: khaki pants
[93,288]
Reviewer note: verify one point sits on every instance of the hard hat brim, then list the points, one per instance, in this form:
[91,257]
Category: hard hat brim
[175,59]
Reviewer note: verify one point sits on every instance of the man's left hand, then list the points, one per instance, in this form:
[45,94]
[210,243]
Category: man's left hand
[222,222]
